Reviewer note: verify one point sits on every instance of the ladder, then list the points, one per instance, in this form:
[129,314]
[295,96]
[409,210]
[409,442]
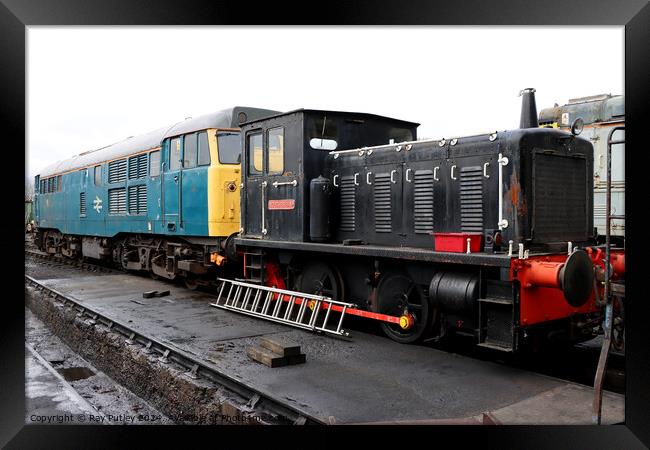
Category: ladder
[287,307]
[599,380]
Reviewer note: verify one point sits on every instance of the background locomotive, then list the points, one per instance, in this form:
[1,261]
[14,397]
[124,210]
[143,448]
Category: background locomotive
[164,202]
[602,115]
[345,205]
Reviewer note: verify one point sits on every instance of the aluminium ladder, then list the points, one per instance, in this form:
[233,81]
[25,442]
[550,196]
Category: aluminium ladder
[279,305]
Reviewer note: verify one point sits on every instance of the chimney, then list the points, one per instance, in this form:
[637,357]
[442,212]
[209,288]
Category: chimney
[528,109]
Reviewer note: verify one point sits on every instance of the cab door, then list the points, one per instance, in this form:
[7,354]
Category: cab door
[283,194]
[274,187]
[171,184]
[255,187]
[35,201]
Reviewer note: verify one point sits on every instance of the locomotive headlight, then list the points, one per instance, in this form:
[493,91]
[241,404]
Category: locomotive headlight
[577,126]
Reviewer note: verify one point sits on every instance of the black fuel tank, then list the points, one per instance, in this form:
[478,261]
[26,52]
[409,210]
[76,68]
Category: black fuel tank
[454,292]
[320,200]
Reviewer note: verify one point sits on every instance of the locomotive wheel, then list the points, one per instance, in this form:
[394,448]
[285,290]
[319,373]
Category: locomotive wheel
[322,279]
[190,283]
[117,255]
[397,294]
[124,260]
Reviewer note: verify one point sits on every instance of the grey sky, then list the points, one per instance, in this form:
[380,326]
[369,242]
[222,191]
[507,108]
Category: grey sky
[91,86]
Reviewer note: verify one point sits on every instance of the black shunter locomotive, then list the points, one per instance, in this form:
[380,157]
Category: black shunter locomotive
[489,236]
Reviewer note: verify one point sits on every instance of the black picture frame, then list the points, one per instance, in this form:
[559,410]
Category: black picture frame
[16,15]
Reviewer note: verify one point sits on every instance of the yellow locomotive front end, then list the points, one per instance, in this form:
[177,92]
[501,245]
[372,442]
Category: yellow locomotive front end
[224,178]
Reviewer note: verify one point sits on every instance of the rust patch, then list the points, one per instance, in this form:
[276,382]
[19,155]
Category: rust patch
[516,199]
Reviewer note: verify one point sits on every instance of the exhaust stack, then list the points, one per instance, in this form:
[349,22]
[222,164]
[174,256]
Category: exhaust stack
[528,109]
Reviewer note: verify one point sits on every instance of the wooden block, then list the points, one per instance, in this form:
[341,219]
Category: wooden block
[297,359]
[266,357]
[281,346]
[149,294]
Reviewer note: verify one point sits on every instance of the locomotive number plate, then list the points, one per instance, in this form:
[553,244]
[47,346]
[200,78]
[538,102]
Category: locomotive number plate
[287,203]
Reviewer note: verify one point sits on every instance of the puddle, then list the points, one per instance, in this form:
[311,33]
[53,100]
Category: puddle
[76,373]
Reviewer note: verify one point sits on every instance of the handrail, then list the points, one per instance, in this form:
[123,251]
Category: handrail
[503,161]
[607,326]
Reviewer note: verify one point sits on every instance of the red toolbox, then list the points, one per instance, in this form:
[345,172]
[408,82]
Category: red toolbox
[457,242]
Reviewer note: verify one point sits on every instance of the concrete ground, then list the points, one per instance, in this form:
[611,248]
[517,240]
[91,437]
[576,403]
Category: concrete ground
[50,400]
[365,379]
[63,388]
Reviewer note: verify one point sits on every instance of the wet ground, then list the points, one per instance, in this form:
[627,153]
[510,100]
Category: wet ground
[63,388]
[366,379]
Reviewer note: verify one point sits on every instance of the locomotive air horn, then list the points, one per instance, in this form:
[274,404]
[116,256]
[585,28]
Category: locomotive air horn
[528,109]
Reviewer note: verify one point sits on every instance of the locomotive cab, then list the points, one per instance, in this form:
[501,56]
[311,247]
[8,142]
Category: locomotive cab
[200,166]
[282,154]
[198,157]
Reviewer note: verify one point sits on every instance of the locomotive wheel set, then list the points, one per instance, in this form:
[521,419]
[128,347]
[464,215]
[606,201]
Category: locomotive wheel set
[488,236]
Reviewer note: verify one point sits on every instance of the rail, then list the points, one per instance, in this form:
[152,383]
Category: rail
[82,265]
[196,367]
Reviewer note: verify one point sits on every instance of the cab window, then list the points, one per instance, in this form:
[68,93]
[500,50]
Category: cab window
[98,175]
[204,149]
[229,148]
[400,135]
[276,150]
[255,154]
[189,151]
[154,163]
[175,154]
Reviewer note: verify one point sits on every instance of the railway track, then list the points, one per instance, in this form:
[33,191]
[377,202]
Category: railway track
[259,404]
[47,258]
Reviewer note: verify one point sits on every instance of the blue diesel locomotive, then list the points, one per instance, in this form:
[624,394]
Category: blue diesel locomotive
[166,202]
